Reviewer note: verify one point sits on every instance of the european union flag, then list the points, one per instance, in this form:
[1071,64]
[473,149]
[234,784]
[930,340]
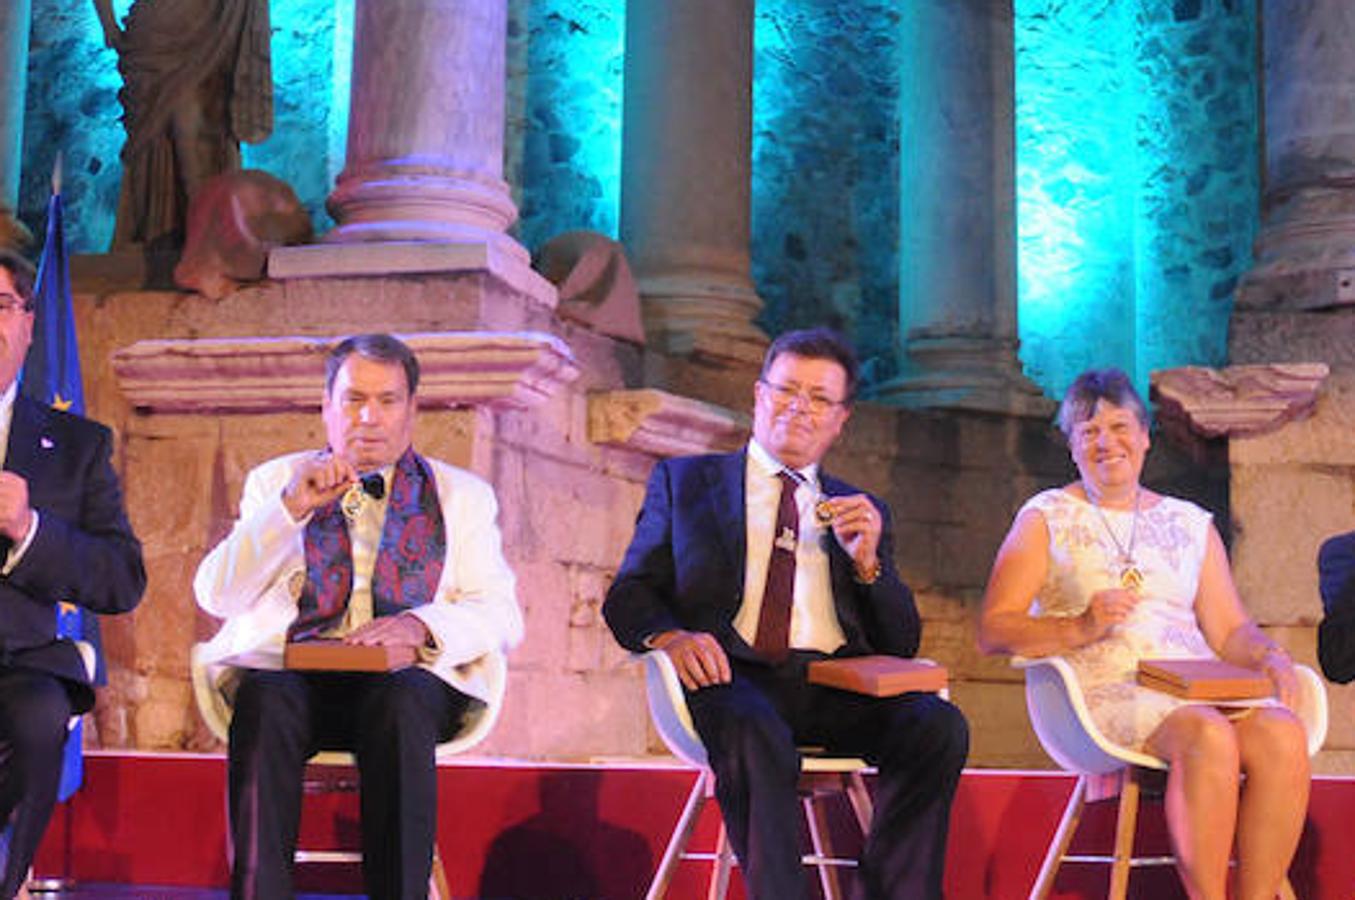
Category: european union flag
[52,375]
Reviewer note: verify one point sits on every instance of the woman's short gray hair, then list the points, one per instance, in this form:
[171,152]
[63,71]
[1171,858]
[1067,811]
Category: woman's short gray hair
[1110,385]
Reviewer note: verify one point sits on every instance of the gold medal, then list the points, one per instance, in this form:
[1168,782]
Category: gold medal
[1131,578]
[823,513]
[351,504]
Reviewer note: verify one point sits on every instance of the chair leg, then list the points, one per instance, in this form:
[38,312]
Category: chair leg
[682,833]
[819,840]
[1125,824]
[1063,836]
[437,878]
[724,863]
[859,797]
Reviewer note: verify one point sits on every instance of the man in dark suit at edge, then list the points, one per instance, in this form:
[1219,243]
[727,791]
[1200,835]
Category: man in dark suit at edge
[1336,633]
[730,574]
[64,537]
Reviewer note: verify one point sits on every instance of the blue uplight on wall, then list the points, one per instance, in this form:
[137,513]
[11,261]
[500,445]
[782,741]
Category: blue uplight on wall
[1074,189]
[312,51]
[71,107]
[825,172]
[569,119]
[1136,182]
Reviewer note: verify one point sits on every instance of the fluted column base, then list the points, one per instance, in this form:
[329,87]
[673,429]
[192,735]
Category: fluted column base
[1305,254]
[706,316]
[963,372]
[422,203]
[1298,301]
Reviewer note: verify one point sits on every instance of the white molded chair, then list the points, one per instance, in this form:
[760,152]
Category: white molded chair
[1059,715]
[820,776]
[330,771]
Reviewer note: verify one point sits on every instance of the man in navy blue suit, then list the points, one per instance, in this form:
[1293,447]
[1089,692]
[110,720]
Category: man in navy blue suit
[746,567]
[64,537]
[1336,634]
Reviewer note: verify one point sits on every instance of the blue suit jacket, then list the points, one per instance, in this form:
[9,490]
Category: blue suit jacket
[685,566]
[84,551]
[1336,634]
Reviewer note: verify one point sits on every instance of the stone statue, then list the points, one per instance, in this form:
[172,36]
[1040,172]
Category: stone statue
[234,219]
[197,80]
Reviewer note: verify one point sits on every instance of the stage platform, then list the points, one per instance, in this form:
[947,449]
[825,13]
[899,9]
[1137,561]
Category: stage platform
[152,892]
[513,830]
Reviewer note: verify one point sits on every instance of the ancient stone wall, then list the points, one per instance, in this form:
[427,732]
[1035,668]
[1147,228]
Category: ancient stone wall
[569,495]
[570,485]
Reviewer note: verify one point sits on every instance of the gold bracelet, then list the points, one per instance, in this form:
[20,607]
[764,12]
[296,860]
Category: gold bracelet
[870,576]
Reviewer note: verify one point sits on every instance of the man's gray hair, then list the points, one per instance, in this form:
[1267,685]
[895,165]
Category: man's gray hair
[381,347]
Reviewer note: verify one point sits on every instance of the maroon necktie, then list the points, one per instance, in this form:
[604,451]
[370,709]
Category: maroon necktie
[773,623]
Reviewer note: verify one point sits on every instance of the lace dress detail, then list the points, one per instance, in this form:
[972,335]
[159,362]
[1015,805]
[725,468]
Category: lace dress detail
[1169,551]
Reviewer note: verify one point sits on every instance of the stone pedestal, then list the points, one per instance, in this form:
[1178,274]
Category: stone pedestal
[14,24]
[685,175]
[425,134]
[957,303]
[489,269]
[1305,253]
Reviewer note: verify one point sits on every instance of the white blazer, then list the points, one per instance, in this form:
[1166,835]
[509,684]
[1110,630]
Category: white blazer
[253,580]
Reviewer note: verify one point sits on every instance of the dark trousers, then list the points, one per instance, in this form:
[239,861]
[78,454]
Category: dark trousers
[751,728]
[391,722]
[34,712]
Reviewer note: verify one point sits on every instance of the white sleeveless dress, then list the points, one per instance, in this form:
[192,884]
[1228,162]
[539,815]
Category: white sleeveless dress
[1169,549]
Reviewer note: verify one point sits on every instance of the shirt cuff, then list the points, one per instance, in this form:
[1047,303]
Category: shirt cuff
[428,652]
[17,551]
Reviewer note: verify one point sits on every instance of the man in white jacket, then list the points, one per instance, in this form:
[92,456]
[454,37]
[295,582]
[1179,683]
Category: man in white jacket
[368,542]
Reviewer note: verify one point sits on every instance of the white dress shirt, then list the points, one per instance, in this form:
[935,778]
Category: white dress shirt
[813,616]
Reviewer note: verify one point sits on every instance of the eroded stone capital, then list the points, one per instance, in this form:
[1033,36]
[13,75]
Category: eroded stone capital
[663,424]
[1236,400]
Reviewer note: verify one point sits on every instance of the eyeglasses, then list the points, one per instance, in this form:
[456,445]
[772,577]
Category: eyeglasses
[11,305]
[784,395]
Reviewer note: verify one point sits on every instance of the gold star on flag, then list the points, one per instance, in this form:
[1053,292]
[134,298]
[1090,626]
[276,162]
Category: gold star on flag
[61,403]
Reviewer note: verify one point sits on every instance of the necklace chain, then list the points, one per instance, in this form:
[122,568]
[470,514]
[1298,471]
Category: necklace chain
[1130,576]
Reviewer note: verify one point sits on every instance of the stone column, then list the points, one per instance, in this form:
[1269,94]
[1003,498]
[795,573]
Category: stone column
[426,125]
[685,164]
[14,24]
[957,255]
[1305,253]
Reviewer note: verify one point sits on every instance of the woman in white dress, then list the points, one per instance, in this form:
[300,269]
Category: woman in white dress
[1104,572]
